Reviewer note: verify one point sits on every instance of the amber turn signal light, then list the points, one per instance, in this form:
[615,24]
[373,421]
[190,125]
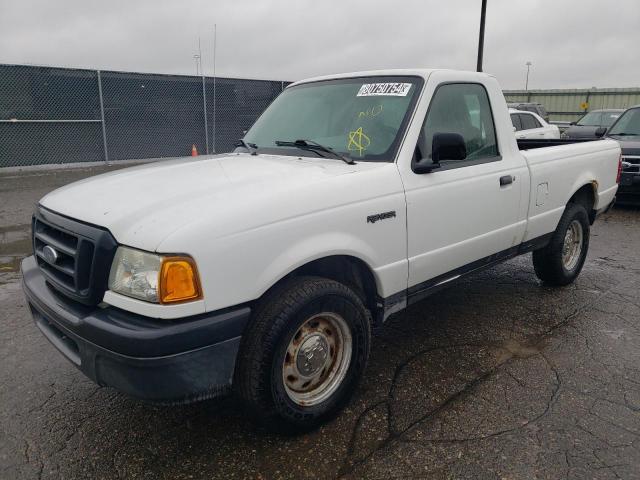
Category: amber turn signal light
[179,281]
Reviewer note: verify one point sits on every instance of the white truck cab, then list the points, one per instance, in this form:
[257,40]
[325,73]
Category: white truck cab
[263,270]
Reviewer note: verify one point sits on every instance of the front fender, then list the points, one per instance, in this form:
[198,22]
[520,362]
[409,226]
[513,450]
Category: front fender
[240,267]
[307,250]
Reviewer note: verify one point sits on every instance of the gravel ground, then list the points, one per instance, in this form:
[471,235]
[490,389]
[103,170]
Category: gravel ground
[495,377]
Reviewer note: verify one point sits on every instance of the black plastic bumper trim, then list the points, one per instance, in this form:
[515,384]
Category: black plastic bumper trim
[156,360]
[128,333]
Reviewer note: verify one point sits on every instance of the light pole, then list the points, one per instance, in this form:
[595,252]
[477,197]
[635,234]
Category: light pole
[481,37]
[526,83]
[197,59]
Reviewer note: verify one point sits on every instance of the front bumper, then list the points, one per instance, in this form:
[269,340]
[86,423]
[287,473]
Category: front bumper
[164,361]
[629,189]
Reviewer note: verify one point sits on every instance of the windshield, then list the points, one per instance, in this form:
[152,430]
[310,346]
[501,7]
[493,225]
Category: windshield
[591,119]
[361,118]
[599,119]
[628,123]
[608,118]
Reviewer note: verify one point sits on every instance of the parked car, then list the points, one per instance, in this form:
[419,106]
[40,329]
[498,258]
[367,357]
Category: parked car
[594,124]
[531,125]
[626,130]
[536,108]
[262,271]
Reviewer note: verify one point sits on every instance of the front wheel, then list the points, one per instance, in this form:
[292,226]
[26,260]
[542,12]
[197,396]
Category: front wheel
[560,262]
[303,353]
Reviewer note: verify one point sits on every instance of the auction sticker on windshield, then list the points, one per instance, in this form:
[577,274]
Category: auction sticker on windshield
[384,89]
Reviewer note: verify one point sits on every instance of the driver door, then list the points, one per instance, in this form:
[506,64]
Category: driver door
[465,212]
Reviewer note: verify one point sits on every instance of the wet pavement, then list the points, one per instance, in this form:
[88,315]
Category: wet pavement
[495,377]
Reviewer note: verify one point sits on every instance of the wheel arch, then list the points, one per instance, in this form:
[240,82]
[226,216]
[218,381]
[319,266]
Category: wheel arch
[347,269]
[586,195]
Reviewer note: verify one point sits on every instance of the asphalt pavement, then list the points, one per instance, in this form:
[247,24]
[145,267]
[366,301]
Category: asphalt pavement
[497,377]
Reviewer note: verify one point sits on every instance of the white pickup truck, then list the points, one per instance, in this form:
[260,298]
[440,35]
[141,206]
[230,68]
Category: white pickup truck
[262,271]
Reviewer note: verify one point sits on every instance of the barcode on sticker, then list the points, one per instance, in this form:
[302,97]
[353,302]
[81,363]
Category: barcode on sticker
[384,89]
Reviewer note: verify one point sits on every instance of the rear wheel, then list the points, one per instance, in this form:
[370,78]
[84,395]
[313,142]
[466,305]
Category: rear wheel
[560,262]
[303,353]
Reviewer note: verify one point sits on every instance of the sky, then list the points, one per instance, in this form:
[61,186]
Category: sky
[570,43]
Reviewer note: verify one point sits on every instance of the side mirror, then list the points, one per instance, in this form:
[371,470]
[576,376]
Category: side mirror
[600,132]
[572,123]
[448,146]
[444,146]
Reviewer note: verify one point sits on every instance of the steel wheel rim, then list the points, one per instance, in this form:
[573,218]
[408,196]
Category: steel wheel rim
[572,246]
[317,359]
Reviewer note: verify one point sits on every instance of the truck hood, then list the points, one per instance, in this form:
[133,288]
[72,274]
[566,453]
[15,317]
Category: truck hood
[630,145]
[143,205]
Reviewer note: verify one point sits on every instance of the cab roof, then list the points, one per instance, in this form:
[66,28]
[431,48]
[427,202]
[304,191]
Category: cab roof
[414,72]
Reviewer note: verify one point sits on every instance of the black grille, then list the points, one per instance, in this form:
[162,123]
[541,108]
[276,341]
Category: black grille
[83,255]
[631,164]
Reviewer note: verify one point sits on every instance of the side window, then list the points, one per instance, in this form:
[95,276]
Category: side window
[515,119]
[529,121]
[461,108]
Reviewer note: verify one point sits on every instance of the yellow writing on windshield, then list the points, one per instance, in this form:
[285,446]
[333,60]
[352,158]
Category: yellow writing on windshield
[358,141]
[371,111]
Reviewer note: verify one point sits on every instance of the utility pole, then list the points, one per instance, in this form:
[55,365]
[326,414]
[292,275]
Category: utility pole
[481,39]
[526,83]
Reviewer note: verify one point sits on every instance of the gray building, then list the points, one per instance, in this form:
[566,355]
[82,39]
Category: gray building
[571,104]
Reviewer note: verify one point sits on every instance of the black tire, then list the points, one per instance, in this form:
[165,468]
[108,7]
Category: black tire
[259,371]
[548,261]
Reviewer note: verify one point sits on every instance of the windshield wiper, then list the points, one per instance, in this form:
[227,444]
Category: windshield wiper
[314,146]
[251,147]
[623,134]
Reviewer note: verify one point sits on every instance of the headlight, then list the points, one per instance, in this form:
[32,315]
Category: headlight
[154,278]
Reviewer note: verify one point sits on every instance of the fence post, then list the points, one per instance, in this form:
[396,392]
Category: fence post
[104,128]
[214,107]
[215,97]
[204,109]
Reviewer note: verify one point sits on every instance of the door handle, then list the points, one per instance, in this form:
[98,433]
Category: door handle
[506,180]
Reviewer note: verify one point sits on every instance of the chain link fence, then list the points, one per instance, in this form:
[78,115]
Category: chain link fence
[58,115]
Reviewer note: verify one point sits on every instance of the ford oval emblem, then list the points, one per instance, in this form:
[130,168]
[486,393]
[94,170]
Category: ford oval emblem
[50,254]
